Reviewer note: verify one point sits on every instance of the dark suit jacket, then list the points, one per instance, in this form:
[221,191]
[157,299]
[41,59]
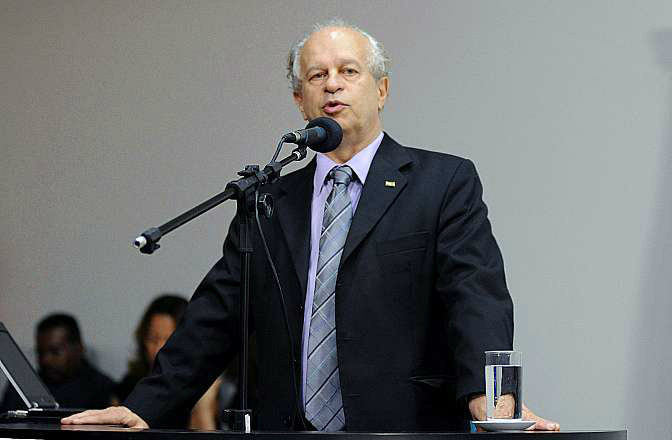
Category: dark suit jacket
[420,296]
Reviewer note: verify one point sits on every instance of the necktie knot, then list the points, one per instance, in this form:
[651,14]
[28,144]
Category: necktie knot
[341,175]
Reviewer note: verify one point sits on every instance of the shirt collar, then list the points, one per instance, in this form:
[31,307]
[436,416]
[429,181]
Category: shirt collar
[360,164]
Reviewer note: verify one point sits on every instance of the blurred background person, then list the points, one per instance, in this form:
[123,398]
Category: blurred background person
[156,325]
[64,369]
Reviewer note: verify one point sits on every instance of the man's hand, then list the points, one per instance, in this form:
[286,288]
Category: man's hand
[114,415]
[540,424]
[477,409]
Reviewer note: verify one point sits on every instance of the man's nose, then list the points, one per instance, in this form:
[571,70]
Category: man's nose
[334,83]
[46,359]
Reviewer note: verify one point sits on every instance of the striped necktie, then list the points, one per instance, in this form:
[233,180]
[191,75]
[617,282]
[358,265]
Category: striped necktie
[324,404]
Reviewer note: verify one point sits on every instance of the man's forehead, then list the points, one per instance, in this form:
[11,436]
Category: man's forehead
[318,63]
[334,42]
[53,334]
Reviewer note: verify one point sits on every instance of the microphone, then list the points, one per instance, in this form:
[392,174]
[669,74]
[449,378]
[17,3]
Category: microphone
[321,134]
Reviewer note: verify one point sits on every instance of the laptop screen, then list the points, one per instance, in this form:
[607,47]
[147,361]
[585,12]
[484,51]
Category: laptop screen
[21,375]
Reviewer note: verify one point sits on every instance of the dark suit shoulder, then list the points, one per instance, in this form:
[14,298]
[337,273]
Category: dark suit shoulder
[430,155]
[420,154]
[424,154]
[433,163]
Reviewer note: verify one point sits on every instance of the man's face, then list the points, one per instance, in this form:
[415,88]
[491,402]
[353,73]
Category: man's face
[58,358]
[336,82]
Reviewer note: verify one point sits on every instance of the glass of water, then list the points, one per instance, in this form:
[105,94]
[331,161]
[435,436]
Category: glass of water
[504,385]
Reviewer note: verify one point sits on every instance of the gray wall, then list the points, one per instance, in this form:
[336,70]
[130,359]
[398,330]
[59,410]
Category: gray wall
[118,115]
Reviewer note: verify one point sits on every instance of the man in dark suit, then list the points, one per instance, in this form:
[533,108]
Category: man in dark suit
[394,285]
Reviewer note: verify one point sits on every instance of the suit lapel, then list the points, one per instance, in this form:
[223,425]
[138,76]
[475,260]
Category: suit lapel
[294,213]
[383,184]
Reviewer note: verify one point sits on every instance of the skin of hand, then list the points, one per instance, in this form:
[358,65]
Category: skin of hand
[505,407]
[477,409]
[114,415]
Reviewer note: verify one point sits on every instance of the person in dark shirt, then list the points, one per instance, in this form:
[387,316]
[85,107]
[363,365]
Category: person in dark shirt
[72,380]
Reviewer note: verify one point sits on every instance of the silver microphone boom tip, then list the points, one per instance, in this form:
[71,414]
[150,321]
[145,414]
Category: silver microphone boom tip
[140,242]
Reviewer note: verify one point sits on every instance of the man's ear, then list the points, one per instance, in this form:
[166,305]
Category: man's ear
[298,100]
[383,87]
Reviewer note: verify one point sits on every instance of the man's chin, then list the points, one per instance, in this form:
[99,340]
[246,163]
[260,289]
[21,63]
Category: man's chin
[338,117]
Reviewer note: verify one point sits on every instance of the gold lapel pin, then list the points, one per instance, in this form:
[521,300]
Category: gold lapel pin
[390,183]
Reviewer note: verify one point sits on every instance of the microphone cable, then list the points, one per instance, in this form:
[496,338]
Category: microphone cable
[298,408]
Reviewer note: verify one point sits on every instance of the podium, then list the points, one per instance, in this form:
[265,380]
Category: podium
[97,432]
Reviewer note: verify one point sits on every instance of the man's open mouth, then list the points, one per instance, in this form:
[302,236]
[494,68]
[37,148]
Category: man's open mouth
[333,107]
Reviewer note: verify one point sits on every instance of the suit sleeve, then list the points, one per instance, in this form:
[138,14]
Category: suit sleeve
[471,281]
[202,345]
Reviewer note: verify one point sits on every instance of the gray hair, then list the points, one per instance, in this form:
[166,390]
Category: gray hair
[379,62]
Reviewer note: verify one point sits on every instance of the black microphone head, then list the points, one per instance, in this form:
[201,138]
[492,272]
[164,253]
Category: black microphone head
[334,134]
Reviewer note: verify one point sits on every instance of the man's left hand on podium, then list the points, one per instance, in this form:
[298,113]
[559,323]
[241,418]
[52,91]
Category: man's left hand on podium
[477,409]
[114,415]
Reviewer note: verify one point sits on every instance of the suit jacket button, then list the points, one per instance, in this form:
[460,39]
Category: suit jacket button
[288,421]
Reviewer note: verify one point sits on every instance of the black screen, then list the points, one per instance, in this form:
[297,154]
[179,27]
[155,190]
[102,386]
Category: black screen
[21,374]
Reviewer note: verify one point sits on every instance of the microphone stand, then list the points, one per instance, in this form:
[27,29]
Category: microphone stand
[243,191]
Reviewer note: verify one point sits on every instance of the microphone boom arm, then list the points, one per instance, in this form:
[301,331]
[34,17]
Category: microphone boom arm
[252,179]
